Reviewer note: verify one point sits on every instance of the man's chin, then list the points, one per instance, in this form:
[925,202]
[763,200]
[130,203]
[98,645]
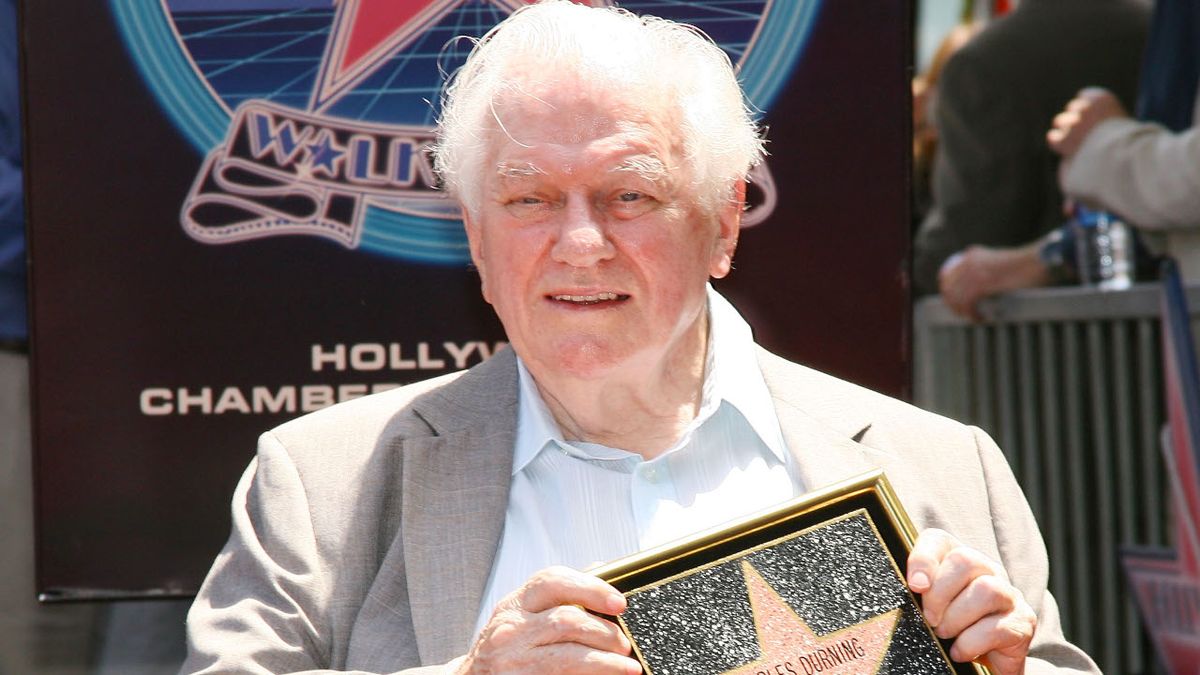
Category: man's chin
[582,359]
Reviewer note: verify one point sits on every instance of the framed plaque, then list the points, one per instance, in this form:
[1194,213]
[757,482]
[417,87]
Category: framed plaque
[814,586]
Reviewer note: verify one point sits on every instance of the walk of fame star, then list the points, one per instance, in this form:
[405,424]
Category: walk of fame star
[784,638]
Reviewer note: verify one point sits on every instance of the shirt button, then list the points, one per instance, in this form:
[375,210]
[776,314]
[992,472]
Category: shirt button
[653,474]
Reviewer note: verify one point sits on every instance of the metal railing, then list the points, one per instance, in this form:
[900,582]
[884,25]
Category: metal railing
[1069,383]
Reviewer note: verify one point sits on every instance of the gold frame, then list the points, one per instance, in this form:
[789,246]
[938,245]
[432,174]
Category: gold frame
[656,566]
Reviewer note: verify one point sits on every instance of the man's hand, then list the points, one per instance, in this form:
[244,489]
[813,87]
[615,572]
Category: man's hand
[1089,108]
[544,627]
[978,272]
[967,596]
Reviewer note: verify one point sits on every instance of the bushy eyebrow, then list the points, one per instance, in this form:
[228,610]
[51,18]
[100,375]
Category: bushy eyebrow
[646,167]
[522,170]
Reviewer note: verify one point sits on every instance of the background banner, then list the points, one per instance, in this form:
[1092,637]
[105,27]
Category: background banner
[233,221]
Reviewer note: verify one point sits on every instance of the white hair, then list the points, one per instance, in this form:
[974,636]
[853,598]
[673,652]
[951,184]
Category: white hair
[662,65]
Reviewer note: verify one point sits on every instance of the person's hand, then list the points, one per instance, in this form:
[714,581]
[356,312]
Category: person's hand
[967,596]
[978,272]
[545,627]
[1089,108]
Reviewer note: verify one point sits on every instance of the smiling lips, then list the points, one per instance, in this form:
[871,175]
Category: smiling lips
[593,299]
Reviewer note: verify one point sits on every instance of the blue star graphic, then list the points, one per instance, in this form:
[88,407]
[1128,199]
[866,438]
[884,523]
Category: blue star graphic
[323,155]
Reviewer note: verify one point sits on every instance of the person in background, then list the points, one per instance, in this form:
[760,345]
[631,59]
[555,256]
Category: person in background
[924,97]
[1146,170]
[600,160]
[994,179]
[34,638]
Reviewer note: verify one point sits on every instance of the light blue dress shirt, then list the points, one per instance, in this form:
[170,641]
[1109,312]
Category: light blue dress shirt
[580,504]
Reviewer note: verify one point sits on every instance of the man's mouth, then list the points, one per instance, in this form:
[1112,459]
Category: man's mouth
[593,299]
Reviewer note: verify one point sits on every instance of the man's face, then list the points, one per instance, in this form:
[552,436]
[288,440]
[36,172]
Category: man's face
[590,241]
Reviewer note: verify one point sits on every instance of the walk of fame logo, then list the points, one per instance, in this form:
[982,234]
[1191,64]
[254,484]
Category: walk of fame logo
[1166,583]
[314,116]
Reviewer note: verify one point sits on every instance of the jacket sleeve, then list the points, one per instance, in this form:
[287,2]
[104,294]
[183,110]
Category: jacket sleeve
[1023,555]
[1143,171]
[264,607]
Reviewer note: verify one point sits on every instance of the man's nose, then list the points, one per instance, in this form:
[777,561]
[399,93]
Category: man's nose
[582,237]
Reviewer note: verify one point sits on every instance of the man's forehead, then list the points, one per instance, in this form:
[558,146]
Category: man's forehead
[555,141]
[573,109]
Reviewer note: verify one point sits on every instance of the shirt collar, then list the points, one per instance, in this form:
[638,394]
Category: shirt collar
[735,376]
[535,425]
[731,375]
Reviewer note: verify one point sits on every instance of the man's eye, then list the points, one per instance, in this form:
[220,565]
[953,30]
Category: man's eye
[526,206]
[527,201]
[629,196]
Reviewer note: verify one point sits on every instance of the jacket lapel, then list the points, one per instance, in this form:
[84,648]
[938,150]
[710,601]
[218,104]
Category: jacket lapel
[455,492]
[821,456]
[821,428]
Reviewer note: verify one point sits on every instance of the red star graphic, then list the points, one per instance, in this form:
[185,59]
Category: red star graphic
[785,640]
[366,33]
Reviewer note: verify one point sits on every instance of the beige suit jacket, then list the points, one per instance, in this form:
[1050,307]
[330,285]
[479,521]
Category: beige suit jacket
[363,534]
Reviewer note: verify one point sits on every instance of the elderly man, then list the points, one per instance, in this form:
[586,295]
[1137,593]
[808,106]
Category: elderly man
[600,160]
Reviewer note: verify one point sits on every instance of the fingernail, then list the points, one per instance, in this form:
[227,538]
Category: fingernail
[919,582]
[931,619]
[956,654]
[616,604]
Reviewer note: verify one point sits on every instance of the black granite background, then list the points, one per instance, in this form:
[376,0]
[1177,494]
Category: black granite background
[833,576]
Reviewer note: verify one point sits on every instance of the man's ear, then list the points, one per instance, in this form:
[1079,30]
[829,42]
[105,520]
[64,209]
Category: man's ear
[729,223]
[475,241]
